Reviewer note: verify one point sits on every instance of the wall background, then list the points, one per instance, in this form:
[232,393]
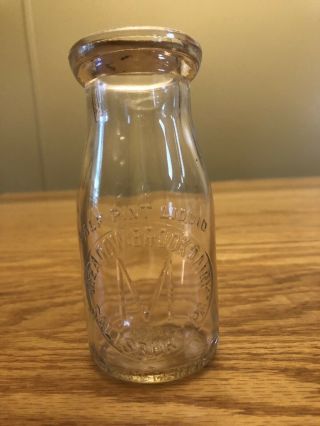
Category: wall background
[256,100]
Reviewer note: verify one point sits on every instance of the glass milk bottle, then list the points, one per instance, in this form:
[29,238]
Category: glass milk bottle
[145,208]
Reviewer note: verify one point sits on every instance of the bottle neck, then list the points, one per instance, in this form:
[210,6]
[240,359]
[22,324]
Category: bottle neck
[141,135]
[123,99]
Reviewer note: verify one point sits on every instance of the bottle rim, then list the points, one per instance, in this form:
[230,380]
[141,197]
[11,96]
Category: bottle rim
[98,48]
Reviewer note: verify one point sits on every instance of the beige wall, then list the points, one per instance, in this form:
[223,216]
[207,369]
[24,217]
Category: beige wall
[256,100]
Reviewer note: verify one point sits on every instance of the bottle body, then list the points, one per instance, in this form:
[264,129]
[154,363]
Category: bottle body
[146,227]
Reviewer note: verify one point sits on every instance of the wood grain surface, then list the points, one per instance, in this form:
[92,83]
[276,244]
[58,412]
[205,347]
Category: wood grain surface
[267,370]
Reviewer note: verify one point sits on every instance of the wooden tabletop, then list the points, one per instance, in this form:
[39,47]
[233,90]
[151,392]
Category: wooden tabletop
[267,370]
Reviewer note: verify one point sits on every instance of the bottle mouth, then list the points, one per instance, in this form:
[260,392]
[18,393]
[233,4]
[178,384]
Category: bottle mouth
[132,50]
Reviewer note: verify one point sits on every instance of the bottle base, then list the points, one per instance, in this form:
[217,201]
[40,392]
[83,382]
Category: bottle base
[167,376]
[189,358]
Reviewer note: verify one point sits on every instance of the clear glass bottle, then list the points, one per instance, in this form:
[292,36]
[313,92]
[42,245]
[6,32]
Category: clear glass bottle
[145,207]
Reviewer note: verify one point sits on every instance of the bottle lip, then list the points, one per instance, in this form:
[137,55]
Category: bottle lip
[173,43]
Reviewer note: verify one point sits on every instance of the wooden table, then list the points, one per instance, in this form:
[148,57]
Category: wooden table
[267,371]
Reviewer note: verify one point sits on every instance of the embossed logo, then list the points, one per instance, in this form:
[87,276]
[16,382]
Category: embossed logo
[150,273]
[146,274]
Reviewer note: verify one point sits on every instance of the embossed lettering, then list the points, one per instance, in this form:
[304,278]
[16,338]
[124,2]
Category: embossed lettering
[136,237]
[173,242]
[129,213]
[170,212]
[161,240]
[109,248]
[91,226]
[194,250]
[148,236]
[144,208]
[164,212]
[181,215]
[203,225]
[115,213]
